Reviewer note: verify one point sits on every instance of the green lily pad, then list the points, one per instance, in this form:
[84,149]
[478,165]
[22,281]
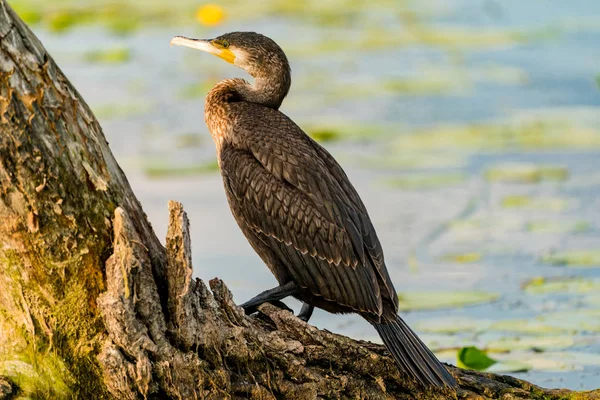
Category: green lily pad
[325,135]
[61,21]
[444,299]
[572,258]
[557,227]
[545,361]
[123,24]
[422,86]
[452,325]
[188,140]
[476,359]
[463,258]
[524,326]
[559,360]
[541,285]
[512,361]
[413,161]
[573,321]
[476,226]
[164,171]
[536,134]
[526,173]
[473,358]
[115,111]
[117,55]
[426,181]
[445,342]
[196,90]
[536,343]
[332,130]
[28,14]
[544,203]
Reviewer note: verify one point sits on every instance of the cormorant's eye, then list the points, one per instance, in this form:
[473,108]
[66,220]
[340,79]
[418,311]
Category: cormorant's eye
[225,44]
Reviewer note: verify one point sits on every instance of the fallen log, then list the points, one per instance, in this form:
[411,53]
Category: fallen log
[92,306]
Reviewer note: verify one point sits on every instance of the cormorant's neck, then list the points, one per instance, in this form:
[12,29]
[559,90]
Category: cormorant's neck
[268,90]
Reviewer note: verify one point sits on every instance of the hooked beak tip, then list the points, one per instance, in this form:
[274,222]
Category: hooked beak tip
[175,41]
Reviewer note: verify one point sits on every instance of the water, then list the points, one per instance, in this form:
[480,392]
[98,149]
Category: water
[498,65]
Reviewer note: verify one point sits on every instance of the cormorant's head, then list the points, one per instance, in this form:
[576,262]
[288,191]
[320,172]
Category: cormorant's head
[251,51]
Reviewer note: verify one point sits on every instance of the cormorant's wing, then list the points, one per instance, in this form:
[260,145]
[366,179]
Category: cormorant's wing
[369,236]
[317,253]
[292,191]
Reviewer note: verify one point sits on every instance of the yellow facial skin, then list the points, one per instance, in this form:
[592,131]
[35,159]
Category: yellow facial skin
[224,53]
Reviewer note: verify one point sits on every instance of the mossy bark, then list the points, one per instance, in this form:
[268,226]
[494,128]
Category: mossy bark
[59,187]
[92,306]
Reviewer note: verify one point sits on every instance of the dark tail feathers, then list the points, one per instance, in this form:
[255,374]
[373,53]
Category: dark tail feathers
[412,355]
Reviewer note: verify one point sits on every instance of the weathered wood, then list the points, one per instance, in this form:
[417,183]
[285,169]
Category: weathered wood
[92,306]
[59,186]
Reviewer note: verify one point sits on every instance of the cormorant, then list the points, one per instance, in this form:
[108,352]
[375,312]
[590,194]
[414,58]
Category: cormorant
[296,206]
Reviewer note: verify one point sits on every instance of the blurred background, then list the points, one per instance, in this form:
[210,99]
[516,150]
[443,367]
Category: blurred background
[470,128]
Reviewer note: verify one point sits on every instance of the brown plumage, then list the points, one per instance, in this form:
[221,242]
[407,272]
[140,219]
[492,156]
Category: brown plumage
[296,206]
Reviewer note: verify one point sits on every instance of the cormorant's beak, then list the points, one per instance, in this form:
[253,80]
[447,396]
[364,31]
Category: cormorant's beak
[205,45]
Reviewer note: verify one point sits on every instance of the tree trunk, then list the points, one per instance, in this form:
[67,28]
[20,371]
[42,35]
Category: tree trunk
[92,306]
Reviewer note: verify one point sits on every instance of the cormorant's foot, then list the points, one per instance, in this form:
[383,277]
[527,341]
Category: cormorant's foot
[272,296]
[277,303]
[303,317]
[249,309]
[306,312]
[282,305]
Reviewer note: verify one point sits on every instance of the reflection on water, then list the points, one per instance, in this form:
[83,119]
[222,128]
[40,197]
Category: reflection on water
[471,132]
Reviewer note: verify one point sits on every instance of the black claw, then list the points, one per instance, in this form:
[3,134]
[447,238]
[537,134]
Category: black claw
[249,309]
[272,296]
[282,305]
[303,317]
[277,303]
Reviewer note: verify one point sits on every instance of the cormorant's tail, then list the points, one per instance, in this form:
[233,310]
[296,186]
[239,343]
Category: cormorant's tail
[412,355]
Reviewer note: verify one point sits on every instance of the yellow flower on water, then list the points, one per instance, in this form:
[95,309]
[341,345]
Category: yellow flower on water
[210,14]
